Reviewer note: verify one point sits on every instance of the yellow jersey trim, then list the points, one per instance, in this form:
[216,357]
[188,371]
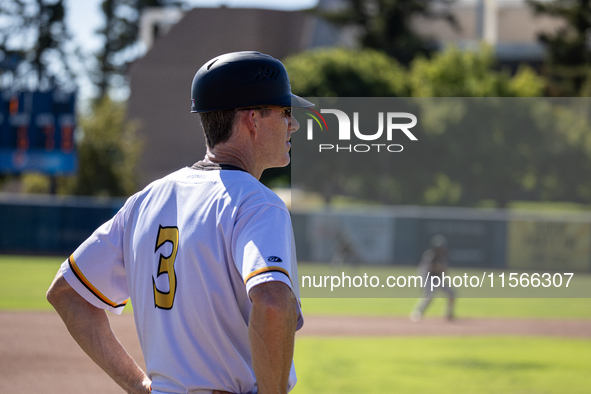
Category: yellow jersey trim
[90,287]
[266,269]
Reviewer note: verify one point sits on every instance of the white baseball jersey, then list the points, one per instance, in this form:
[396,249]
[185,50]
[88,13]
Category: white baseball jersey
[186,250]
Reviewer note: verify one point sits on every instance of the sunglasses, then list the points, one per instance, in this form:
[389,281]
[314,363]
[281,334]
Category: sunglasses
[286,111]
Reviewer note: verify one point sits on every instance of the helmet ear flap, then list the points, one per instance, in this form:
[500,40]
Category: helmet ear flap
[242,79]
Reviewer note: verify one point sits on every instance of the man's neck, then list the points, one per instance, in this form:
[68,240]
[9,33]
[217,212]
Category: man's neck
[221,154]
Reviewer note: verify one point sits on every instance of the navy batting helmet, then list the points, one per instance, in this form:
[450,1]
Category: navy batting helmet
[242,79]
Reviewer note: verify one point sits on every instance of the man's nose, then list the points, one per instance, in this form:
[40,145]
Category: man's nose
[295,125]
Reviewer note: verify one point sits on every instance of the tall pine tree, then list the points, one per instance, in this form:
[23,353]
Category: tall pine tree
[568,50]
[120,33]
[386,24]
[34,43]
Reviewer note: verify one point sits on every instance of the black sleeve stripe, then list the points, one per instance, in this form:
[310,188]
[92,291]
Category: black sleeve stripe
[90,287]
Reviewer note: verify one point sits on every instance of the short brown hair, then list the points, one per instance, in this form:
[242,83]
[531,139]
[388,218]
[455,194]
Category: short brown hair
[217,125]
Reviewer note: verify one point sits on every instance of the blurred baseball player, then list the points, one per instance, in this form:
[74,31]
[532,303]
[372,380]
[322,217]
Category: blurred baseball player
[433,263]
[344,251]
[205,254]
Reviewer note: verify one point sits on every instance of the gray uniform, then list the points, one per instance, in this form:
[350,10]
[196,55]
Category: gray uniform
[433,264]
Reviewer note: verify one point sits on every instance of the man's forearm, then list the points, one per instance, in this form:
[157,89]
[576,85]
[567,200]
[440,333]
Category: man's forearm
[90,327]
[271,333]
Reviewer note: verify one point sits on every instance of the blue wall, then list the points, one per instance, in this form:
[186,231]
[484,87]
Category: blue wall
[477,238]
[50,225]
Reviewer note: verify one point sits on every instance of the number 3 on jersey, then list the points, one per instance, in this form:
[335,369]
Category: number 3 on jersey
[165,299]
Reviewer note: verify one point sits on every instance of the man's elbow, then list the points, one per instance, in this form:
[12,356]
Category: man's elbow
[275,301]
[58,290]
[278,311]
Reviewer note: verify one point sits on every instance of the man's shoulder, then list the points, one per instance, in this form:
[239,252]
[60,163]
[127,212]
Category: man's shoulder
[155,185]
[240,186]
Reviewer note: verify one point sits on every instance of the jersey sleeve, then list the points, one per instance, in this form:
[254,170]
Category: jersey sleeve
[96,270]
[263,249]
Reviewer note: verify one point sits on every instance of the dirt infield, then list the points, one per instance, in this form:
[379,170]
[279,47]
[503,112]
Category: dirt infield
[396,326]
[38,355]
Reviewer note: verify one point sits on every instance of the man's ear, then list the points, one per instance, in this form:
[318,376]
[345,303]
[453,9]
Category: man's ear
[251,119]
[243,122]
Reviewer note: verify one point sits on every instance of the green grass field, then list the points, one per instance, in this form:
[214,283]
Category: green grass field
[545,308]
[443,365]
[25,280]
[455,365]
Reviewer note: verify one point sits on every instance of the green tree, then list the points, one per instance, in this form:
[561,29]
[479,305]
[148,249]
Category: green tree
[339,72]
[568,52]
[569,151]
[386,24]
[107,152]
[456,73]
[467,152]
[34,44]
[471,146]
[120,33]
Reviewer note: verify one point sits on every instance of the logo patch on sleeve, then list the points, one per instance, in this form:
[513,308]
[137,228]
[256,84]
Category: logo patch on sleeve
[274,259]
